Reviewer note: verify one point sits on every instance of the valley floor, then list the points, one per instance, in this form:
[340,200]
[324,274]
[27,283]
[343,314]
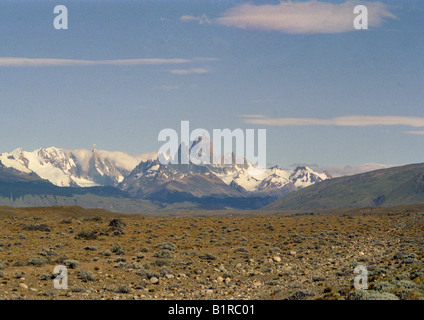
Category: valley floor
[111,256]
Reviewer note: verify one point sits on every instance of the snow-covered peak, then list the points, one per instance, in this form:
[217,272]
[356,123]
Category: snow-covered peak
[304,176]
[51,164]
[79,167]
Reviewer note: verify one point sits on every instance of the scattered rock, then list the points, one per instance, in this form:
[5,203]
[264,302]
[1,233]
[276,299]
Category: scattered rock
[154,280]
[23,286]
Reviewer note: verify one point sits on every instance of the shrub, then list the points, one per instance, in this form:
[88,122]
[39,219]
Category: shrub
[371,295]
[37,261]
[85,275]
[160,263]
[106,253]
[404,284]
[301,294]
[88,235]
[274,249]
[120,265]
[318,279]
[405,294]
[167,246]
[384,286]
[118,249]
[273,283]
[163,254]
[118,232]
[117,224]
[404,255]
[97,219]
[165,270]
[146,274]
[409,261]
[38,227]
[48,252]
[48,276]
[207,256]
[133,265]
[61,259]
[70,263]
[123,289]
[120,259]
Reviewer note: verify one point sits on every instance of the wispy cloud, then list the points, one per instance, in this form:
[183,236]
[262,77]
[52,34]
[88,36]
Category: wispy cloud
[338,171]
[307,17]
[418,133]
[200,19]
[348,170]
[348,121]
[190,71]
[253,116]
[46,62]
[302,164]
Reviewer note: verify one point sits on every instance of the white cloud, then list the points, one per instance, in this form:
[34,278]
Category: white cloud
[201,19]
[419,133]
[46,62]
[190,71]
[301,164]
[302,17]
[253,116]
[338,171]
[348,121]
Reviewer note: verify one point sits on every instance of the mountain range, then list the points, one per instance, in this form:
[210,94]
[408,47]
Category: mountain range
[74,168]
[144,177]
[121,182]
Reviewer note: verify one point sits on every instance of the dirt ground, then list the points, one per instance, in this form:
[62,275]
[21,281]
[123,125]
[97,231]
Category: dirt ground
[111,256]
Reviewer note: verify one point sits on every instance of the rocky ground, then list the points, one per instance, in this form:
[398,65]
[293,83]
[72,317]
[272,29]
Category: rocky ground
[213,257]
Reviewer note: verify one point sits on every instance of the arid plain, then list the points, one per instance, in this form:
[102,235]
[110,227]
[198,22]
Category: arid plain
[211,255]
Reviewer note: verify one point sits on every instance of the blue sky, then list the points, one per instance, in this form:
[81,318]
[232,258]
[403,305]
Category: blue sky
[218,64]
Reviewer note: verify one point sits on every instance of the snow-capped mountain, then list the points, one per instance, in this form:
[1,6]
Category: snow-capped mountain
[143,176]
[242,180]
[147,176]
[81,167]
[303,177]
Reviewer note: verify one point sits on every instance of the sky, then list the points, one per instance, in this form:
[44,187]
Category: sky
[329,95]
